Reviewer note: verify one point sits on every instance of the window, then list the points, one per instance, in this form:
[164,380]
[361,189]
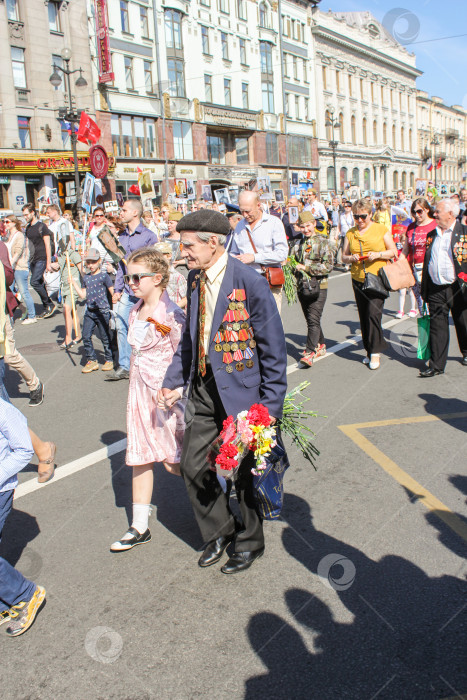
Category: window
[385,133]
[412,180]
[372,92]
[124,17]
[267,90]
[176,77]
[342,177]
[327,118]
[364,132]
[286,65]
[12,10]
[138,125]
[330,178]
[224,6]
[205,40]
[173,29]
[208,88]
[227,92]
[367,179]
[299,150]
[65,133]
[375,130]
[183,140]
[410,140]
[129,73]
[58,61]
[127,136]
[307,109]
[241,9]
[150,138]
[287,104]
[402,139]
[362,91]
[143,15]
[295,67]
[353,129]
[245,100]
[206,3]
[305,71]
[242,45]
[394,136]
[241,147]
[272,149]
[216,149]
[325,78]
[356,177]
[54,17]
[24,132]
[17,63]
[224,46]
[404,180]
[148,76]
[265,50]
[297,107]
[350,85]
[115,132]
[263,15]
[338,81]
[395,180]
[382,95]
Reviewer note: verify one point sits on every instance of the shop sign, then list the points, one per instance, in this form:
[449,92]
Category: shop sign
[4,180]
[32,180]
[50,162]
[99,161]
[228,117]
[20,200]
[106,74]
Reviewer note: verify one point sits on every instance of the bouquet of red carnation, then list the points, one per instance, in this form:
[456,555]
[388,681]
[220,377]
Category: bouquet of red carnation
[251,431]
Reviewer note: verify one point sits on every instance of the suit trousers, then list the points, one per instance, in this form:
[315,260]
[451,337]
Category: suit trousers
[14,587]
[209,502]
[370,313]
[441,300]
[313,310]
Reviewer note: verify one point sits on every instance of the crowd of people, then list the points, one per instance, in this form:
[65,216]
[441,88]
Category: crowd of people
[190,307]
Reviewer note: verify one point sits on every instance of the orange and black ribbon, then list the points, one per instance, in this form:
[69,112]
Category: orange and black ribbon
[163,330]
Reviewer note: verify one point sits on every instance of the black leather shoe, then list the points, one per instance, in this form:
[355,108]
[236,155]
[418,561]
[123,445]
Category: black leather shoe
[239,561]
[214,551]
[120,373]
[430,372]
[464,361]
[127,543]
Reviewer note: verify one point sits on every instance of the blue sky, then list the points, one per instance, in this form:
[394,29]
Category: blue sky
[444,61]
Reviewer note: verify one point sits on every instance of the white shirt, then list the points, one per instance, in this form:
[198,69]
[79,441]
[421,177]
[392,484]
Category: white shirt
[60,229]
[214,277]
[346,221]
[317,209]
[270,241]
[441,267]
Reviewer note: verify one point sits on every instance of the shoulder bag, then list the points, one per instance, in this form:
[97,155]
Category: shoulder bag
[373,284]
[274,275]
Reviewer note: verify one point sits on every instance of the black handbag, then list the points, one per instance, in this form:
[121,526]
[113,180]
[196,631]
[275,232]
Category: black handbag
[373,284]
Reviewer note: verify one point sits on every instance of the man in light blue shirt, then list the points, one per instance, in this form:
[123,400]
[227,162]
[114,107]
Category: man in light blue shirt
[268,235]
[20,599]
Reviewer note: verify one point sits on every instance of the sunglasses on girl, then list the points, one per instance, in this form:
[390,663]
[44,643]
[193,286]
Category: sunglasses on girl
[360,216]
[137,277]
[417,212]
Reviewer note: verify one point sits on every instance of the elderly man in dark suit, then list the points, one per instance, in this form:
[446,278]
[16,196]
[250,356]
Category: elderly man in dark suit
[225,296]
[444,284]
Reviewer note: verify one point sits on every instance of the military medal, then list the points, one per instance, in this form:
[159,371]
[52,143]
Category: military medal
[229,369]
[238,355]
[227,358]
[249,353]
[236,326]
[232,306]
[252,343]
[218,347]
[239,367]
[234,347]
[249,363]
[218,338]
[242,346]
[244,326]
[226,347]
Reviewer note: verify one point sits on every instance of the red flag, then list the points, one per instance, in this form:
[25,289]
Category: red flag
[439,164]
[88,130]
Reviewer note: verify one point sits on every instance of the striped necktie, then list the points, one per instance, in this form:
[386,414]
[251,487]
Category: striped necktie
[201,324]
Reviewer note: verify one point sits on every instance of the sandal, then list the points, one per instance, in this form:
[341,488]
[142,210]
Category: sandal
[48,473]
[66,346]
[77,341]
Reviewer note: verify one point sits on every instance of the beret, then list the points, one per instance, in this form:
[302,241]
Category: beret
[175,215]
[305,217]
[205,221]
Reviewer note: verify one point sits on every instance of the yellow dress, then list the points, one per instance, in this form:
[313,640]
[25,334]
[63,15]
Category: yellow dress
[371,240]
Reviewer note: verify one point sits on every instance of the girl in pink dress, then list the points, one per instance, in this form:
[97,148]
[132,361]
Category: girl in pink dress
[154,435]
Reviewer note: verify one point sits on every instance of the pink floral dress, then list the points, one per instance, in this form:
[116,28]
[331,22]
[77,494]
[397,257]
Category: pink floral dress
[154,435]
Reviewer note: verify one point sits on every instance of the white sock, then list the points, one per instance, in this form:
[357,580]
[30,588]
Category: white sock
[402,293]
[141,516]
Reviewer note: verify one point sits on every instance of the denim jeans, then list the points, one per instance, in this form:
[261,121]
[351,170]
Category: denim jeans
[14,587]
[3,391]
[21,279]
[95,319]
[123,309]
[37,281]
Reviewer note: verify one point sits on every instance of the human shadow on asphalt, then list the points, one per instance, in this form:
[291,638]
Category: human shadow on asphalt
[20,529]
[438,406]
[406,637]
[169,498]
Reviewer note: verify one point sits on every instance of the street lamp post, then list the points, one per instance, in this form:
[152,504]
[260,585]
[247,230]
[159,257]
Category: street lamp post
[70,114]
[334,124]
[434,142]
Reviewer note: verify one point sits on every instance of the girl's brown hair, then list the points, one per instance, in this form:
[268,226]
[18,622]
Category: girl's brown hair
[154,260]
[424,204]
[17,222]
[117,222]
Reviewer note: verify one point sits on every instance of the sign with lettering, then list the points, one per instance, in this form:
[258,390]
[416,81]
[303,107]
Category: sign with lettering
[229,117]
[106,74]
[60,162]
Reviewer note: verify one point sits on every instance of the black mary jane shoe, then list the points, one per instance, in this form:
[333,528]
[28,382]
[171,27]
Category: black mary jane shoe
[430,372]
[214,551]
[128,543]
[239,561]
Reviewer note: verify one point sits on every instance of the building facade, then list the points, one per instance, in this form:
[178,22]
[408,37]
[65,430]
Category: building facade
[442,140]
[35,144]
[365,80]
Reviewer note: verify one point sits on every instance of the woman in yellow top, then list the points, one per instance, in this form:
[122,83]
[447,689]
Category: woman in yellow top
[375,243]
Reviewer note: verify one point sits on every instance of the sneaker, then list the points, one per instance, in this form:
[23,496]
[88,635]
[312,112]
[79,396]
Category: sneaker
[366,360]
[23,614]
[5,616]
[107,366]
[90,366]
[374,362]
[400,314]
[49,311]
[321,350]
[130,539]
[28,321]
[308,359]
[36,396]
[413,313]
[24,315]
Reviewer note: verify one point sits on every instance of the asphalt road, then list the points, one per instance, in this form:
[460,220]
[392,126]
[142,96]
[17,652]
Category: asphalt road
[361,593]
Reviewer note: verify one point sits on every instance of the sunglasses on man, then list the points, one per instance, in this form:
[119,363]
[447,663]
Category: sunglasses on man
[137,277]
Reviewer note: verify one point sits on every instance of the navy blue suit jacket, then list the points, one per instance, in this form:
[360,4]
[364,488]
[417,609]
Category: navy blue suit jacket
[266,381]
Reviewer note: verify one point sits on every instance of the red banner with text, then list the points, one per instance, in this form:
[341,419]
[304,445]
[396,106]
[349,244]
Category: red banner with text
[106,74]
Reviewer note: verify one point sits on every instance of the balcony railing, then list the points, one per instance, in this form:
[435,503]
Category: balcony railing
[22,96]
[451,134]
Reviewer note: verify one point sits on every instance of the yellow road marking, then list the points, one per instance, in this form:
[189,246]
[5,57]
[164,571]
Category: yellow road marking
[422,494]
